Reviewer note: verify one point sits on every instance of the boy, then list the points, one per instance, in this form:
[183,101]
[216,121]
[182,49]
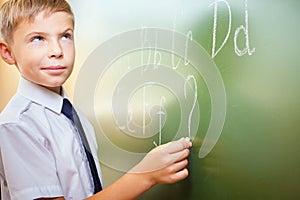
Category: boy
[41,153]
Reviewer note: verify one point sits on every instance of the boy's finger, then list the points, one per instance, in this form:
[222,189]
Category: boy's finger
[181,174]
[179,165]
[179,156]
[178,145]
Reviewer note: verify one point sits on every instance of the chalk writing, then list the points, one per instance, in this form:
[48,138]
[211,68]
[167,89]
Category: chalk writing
[191,77]
[160,113]
[243,28]
[145,42]
[246,32]
[189,37]
[173,46]
[157,54]
[214,52]
[157,57]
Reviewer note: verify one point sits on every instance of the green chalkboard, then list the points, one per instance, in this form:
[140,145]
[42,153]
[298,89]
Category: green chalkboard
[225,73]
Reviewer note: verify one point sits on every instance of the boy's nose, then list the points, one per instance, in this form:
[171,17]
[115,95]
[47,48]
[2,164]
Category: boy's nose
[55,50]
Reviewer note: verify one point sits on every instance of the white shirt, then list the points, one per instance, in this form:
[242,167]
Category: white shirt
[41,154]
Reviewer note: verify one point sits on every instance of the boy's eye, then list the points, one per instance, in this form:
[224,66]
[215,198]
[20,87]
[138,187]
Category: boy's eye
[67,36]
[37,38]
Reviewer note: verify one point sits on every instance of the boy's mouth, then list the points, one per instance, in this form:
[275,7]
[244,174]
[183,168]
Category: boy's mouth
[54,70]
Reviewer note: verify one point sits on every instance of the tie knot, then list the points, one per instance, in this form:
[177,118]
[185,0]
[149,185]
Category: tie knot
[67,109]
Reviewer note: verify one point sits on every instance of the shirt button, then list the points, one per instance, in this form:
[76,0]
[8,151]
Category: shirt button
[84,159]
[82,154]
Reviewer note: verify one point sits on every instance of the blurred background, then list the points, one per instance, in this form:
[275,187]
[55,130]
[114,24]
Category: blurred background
[253,44]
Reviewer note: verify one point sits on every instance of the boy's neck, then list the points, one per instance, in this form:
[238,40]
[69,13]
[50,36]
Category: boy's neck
[57,90]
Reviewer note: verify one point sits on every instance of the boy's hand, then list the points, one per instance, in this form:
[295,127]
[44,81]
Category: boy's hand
[165,163]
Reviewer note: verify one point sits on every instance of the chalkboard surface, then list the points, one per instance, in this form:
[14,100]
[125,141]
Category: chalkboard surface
[225,73]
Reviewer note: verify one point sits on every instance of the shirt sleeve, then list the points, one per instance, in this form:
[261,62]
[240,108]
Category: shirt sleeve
[27,163]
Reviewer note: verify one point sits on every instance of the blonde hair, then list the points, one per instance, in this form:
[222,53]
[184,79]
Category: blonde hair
[13,12]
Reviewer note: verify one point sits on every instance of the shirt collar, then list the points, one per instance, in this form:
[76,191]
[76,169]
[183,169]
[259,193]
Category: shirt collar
[41,95]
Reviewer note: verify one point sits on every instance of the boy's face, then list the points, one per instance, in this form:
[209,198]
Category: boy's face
[43,50]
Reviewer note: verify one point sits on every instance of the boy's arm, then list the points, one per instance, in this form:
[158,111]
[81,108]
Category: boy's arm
[164,164]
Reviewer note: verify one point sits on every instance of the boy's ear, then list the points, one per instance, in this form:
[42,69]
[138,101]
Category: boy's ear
[6,53]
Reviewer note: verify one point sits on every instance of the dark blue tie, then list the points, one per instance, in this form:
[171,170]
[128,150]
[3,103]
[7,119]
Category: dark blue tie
[70,112]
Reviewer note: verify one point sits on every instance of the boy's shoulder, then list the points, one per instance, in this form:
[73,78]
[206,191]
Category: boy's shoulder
[23,114]
[29,104]
[15,107]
